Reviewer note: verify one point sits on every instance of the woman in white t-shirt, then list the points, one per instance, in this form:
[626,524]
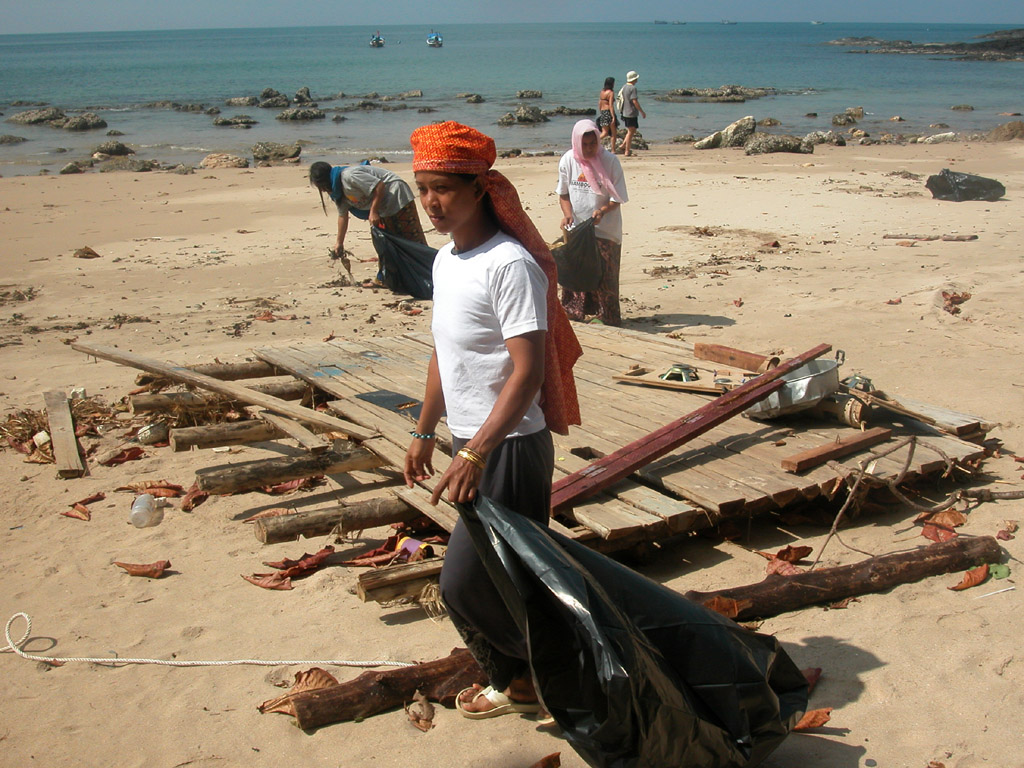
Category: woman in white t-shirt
[502,373]
[591,185]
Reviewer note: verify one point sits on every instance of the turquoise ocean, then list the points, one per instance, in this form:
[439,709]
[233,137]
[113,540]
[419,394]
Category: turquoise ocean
[117,73]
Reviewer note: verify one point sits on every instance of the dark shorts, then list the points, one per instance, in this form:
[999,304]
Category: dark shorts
[631,122]
[604,118]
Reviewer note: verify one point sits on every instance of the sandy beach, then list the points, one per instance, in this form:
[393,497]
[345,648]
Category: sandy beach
[914,675]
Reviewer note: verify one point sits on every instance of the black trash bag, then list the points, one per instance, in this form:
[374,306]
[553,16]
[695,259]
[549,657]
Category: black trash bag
[405,266]
[636,675]
[955,186]
[579,262]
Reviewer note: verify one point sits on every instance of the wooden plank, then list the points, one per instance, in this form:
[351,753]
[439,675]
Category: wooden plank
[395,581]
[311,442]
[615,466]
[442,513]
[237,391]
[833,450]
[62,435]
[247,475]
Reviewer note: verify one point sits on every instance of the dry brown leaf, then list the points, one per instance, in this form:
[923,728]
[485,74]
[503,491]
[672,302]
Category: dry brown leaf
[813,675]
[793,554]
[304,566]
[554,760]
[128,454]
[738,302]
[724,605]
[276,580]
[1009,528]
[894,301]
[159,488]
[293,485]
[777,567]
[420,712]
[149,570]
[938,533]
[972,578]
[838,605]
[814,719]
[78,511]
[98,496]
[309,680]
[193,498]
[949,518]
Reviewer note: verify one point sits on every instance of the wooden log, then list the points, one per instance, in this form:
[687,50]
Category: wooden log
[395,581]
[814,457]
[373,692]
[748,361]
[246,395]
[248,369]
[228,433]
[258,474]
[281,387]
[62,435]
[606,471]
[345,518]
[778,594]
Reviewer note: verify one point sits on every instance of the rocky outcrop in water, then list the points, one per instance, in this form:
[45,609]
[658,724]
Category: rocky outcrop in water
[814,138]
[270,151]
[529,94]
[56,118]
[1007,132]
[242,101]
[302,113]
[238,121]
[113,149]
[129,164]
[569,112]
[474,98]
[76,166]
[734,135]
[271,99]
[725,93]
[1004,45]
[8,138]
[303,97]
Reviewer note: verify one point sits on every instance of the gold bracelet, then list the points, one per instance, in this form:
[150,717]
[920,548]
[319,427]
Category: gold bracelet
[472,457]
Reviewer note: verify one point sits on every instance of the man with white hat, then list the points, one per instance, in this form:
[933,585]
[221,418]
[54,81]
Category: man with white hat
[631,110]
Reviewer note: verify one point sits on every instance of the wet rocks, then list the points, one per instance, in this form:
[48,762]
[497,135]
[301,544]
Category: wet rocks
[939,138]
[474,98]
[129,164]
[302,113]
[86,121]
[49,115]
[814,138]
[270,151]
[733,135]
[271,99]
[223,160]
[765,143]
[238,121]
[569,111]
[685,138]
[962,108]
[76,166]
[529,114]
[303,98]
[529,94]
[722,94]
[242,101]
[113,149]
[10,139]
[1005,132]
[769,122]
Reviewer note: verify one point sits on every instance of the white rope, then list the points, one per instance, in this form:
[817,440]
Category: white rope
[15,647]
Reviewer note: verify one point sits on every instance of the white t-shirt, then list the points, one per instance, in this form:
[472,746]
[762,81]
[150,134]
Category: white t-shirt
[481,298]
[585,201]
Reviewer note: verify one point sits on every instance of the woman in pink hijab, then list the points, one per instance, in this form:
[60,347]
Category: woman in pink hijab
[591,186]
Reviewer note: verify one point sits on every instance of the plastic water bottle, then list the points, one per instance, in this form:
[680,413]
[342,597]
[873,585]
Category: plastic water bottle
[145,511]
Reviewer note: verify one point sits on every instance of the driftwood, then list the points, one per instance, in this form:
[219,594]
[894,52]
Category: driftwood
[375,692]
[252,369]
[395,581]
[62,435]
[258,474]
[778,594]
[748,361]
[228,433]
[604,472]
[306,439]
[320,522]
[281,387]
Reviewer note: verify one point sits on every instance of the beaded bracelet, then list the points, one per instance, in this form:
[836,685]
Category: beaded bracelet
[421,436]
[472,457]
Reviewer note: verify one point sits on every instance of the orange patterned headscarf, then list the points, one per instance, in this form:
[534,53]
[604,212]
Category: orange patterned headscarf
[455,148]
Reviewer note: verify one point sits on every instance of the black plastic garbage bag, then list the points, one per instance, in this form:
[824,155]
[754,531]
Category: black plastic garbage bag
[579,262]
[636,675]
[955,186]
[406,267]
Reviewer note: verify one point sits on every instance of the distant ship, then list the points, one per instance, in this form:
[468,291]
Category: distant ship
[817,22]
[726,21]
[434,39]
[376,41]
[677,23]
[660,22]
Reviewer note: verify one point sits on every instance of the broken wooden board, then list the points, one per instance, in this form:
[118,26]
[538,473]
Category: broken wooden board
[62,435]
[308,440]
[855,442]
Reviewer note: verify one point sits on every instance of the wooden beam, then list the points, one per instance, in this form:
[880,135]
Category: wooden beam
[62,435]
[227,433]
[236,391]
[283,387]
[395,581]
[748,361]
[247,369]
[814,457]
[311,442]
[344,518]
[602,473]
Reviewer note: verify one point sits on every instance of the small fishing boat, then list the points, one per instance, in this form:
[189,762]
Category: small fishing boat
[726,21]
[434,39]
[376,41]
[816,23]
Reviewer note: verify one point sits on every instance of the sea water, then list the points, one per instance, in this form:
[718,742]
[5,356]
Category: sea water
[117,73]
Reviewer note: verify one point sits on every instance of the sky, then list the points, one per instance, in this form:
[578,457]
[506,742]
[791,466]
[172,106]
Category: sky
[34,16]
